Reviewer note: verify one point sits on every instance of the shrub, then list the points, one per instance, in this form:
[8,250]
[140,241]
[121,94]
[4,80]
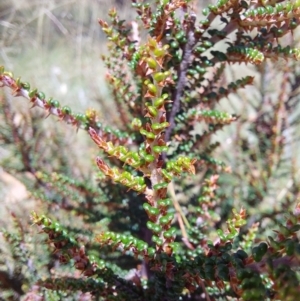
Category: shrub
[155,225]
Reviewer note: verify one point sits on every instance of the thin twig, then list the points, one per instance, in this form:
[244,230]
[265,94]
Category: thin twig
[182,220]
[176,204]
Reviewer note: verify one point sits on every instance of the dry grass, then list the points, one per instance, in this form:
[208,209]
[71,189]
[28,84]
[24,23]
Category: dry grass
[56,46]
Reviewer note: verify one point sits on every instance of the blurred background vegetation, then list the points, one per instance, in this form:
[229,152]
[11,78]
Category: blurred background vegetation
[56,46]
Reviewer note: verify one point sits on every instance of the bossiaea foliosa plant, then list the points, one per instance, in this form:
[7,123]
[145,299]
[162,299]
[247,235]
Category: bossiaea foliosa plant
[164,72]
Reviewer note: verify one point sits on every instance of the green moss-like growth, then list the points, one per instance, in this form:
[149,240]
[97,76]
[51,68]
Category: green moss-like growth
[160,222]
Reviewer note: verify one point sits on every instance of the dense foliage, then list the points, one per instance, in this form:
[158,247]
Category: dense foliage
[172,214]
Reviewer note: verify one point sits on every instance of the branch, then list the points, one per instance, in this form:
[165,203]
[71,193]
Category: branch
[187,53]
